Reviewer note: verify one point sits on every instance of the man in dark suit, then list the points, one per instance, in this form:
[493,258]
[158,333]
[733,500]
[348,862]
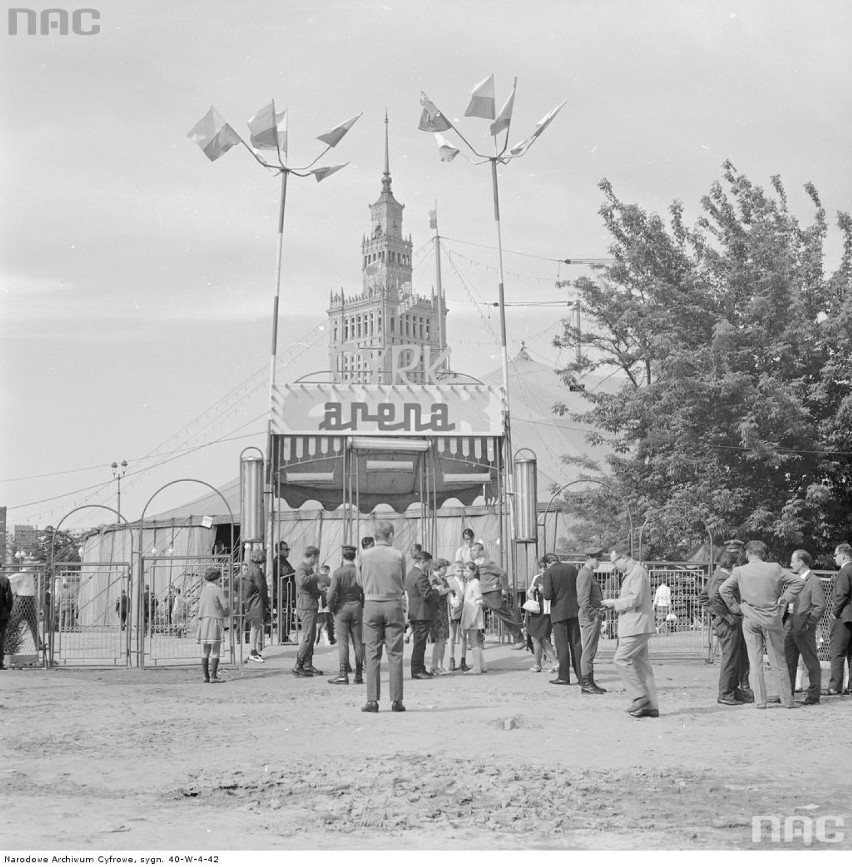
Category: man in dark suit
[421,611]
[7,601]
[284,592]
[559,585]
[495,594]
[803,615]
[840,636]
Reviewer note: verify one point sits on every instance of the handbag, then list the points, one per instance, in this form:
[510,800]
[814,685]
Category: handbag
[532,606]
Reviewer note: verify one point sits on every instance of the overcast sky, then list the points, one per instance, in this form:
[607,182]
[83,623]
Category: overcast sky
[136,277]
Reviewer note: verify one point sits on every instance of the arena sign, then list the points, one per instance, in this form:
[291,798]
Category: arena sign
[326,409]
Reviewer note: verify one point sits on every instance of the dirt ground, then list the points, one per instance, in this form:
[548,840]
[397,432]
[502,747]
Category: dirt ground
[158,760]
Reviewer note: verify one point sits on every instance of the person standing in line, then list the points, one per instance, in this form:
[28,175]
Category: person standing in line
[150,604]
[538,625]
[456,582]
[382,577]
[180,611]
[589,598]
[439,629]
[307,605]
[803,615]
[463,552]
[7,603]
[421,611]
[728,627]
[212,611]
[473,618]
[840,635]
[559,586]
[256,604]
[662,607]
[494,584]
[635,627]
[761,592]
[346,604]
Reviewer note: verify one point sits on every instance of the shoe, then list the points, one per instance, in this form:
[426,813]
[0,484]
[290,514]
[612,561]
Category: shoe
[746,696]
[256,657]
[810,700]
[596,687]
[831,691]
[340,679]
[536,668]
[589,689]
[464,666]
[453,666]
[421,675]
[774,699]
[644,711]
[311,670]
[519,645]
[398,707]
[729,701]
[371,707]
[301,672]
[560,682]
[359,679]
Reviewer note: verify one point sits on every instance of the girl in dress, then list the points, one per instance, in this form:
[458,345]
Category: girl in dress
[472,619]
[456,599]
[212,611]
[538,625]
[439,630]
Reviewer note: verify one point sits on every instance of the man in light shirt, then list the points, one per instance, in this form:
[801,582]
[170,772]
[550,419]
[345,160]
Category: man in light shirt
[463,553]
[24,590]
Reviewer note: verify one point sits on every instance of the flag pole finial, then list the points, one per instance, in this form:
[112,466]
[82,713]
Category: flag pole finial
[386,177]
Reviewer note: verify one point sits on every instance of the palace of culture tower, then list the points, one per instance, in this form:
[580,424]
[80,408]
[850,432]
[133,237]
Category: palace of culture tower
[365,328]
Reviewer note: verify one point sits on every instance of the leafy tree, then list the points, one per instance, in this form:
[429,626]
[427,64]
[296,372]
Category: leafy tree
[734,348]
[66,547]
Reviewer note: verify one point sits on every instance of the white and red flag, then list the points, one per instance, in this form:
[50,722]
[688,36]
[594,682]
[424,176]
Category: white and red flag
[213,135]
[482,99]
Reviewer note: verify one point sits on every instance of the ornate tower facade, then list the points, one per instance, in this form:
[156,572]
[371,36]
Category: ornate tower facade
[386,326]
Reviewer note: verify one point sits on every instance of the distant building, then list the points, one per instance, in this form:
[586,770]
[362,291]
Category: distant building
[387,327]
[25,539]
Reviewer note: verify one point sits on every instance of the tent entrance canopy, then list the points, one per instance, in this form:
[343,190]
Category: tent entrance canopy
[399,472]
[365,444]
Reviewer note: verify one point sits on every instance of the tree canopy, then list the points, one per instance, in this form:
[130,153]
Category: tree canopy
[734,347]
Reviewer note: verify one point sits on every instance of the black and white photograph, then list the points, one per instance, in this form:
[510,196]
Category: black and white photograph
[425,430]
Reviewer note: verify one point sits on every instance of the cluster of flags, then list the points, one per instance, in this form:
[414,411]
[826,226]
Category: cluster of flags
[482,104]
[268,131]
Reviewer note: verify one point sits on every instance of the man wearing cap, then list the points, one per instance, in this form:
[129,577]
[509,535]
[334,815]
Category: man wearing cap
[307,606]
[591,614]
[635,628]
[761,592]
[381,572]
[728,628]
[559,585]
[346,604]
[421,611]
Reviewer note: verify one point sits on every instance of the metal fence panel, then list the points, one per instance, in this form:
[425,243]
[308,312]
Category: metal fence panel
[90,612]
[25,630]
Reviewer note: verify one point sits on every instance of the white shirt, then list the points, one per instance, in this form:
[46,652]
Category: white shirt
[663,597]
[463,553]
[23,583]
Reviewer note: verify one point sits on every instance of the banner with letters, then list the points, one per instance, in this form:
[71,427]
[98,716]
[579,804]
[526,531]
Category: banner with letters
[335,409]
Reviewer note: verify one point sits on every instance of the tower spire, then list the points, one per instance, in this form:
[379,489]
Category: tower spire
[386,177]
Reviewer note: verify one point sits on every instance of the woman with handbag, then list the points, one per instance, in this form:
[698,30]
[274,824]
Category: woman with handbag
[538,623]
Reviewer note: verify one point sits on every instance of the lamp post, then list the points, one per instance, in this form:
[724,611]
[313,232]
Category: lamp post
[482,104]
[118,472]
[268,130]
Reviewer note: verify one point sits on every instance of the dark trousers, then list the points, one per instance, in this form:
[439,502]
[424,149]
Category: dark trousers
[420,628]
[569,647]
[3,624]
[494,601]
[733,666]
[384,624]
[840,649]
[803,643]
[308,622]
[348,621]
